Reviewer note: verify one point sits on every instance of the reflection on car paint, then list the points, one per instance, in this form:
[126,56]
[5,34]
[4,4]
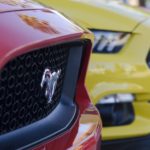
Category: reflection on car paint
[41,25]
[88,125]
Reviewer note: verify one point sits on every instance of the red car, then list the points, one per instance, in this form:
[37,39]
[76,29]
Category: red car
[43,100]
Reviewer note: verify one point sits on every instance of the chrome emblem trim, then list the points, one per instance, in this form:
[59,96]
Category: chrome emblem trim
[49,82]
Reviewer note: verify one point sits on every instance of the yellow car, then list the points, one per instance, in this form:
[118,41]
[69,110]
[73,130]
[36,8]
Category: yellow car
[118,79]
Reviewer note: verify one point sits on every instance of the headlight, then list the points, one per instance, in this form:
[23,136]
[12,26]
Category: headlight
[117,98]
[109,42]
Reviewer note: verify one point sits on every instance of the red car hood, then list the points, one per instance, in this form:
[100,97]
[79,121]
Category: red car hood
[26,26]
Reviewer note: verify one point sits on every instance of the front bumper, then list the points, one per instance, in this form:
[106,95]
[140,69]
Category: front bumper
[83,135]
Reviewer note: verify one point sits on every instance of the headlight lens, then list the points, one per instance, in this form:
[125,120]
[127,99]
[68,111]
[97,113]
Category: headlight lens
[109,42]
[117,98]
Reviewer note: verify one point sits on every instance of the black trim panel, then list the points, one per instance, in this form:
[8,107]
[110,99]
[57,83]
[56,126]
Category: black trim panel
[116,114]
[72,70]
[138,143]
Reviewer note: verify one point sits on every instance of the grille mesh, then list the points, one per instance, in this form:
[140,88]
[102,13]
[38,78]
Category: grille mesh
[22,101]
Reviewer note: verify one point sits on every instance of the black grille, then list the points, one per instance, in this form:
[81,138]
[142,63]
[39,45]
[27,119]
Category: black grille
[22,101]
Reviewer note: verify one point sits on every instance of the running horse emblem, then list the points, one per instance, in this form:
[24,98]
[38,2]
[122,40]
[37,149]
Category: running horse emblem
[49,82]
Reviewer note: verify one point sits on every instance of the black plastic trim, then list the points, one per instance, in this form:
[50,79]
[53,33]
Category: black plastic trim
[137,143]
[72,71]
[116,114]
